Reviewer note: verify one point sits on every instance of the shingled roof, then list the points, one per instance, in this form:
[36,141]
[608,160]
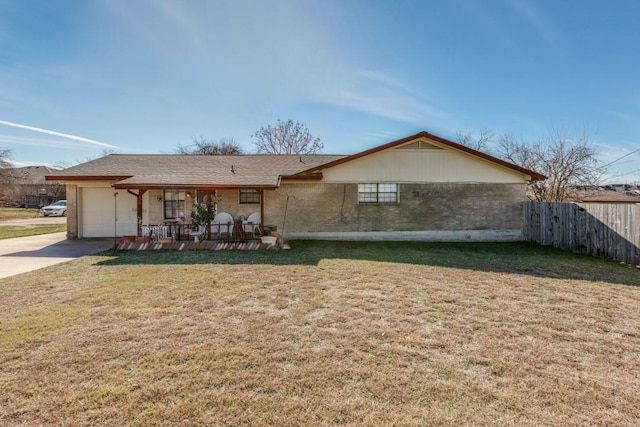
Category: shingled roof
[32,174]
[241,171]
[607,196]
[193,171]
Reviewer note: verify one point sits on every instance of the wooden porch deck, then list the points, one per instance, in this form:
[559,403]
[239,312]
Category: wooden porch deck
[211,245]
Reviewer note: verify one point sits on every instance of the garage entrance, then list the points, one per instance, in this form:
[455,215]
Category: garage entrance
[100,208]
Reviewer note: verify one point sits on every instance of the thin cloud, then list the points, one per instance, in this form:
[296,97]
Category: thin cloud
[531,14]
[400,108]
[54,133]
[385,79]
[378,94]
[19,164]
[38,142]
[381,135]
[186,23]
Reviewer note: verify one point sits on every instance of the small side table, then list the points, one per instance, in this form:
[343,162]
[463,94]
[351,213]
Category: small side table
[196,236]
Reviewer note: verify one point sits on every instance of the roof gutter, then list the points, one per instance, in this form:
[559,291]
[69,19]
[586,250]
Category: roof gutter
[85,177]
[192,187]
[306,177]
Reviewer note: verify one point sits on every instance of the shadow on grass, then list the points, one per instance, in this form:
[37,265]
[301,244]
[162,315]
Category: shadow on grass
[518,258]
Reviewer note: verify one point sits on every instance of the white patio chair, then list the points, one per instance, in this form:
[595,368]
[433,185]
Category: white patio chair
[222,225]
[251,225]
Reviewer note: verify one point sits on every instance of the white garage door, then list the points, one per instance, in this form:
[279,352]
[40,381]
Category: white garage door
[99,209]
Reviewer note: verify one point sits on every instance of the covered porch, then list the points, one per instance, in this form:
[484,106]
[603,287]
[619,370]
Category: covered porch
[183,213]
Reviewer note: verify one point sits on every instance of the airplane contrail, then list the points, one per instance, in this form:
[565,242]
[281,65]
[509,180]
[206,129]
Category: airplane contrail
[52,132]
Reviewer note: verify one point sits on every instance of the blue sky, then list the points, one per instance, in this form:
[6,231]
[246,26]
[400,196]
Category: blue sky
[81,76]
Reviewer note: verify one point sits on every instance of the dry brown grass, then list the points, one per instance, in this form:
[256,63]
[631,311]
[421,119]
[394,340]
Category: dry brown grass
[172,340]
[10,231]
[18,213]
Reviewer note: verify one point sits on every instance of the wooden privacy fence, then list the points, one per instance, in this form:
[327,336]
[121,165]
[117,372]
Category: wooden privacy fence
[606,230]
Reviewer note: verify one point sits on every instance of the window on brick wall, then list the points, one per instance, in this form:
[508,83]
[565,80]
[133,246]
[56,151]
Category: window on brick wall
[377,193]
[249,197]
[174,203]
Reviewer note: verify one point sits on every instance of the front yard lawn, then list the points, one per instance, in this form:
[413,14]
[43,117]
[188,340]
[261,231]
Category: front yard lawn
[10,231]
[326,333]
[18,213]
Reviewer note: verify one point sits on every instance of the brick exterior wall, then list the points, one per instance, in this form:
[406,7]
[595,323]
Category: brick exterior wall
[152,207]
[322,207]
[230,203]
[72,211]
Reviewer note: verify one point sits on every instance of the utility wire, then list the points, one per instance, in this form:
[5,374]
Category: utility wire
[628,173]
[620,158]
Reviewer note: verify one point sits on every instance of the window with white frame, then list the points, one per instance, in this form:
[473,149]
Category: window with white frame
[174,203]
[249,197]
[377,193]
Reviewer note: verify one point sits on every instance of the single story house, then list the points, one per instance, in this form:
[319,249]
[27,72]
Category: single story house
[608,196]
[422,187]
[28,188]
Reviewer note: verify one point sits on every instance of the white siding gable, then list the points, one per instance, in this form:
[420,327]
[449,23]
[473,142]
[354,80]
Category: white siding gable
[424,162]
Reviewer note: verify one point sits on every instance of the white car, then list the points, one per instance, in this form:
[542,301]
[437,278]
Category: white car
[59,208]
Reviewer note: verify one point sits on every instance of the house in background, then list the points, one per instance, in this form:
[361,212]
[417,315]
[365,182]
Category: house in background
[422,187]
[30,189]
[623,193]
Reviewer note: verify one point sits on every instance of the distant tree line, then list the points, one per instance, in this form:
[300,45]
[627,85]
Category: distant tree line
[6,175]
[286,137]
[25,187]
[568,160]
[203,146]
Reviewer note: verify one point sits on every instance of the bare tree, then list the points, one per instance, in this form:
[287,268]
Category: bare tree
[286,138]
[566,160]
[64,164]
[7,176]
[480,140]
[5,156]
[222,147]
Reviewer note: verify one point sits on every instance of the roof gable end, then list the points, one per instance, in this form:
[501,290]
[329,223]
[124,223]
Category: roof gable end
[411,141]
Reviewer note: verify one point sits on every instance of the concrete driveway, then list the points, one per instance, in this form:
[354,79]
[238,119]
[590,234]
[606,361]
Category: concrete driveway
[23,254]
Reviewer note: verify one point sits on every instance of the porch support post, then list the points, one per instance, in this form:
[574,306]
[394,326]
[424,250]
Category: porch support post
[138,209]
[261,192]
[213,194]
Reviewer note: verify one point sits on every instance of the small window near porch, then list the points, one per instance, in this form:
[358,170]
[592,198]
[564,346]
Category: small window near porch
[249,197]
[377,193]
[174,203]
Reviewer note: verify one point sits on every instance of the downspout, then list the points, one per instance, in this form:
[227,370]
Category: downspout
[286,208]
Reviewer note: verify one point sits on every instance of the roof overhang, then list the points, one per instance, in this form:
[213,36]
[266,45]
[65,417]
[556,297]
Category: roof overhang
[317,176]
[85,177]
[192,187]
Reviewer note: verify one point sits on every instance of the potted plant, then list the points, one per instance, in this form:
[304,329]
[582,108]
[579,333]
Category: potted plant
[202,215]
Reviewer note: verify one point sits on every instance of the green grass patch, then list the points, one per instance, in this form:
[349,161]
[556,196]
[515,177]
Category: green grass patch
[9,232]
[518,257]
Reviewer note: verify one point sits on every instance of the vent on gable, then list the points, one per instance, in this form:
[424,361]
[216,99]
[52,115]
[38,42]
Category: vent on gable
[419,145]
